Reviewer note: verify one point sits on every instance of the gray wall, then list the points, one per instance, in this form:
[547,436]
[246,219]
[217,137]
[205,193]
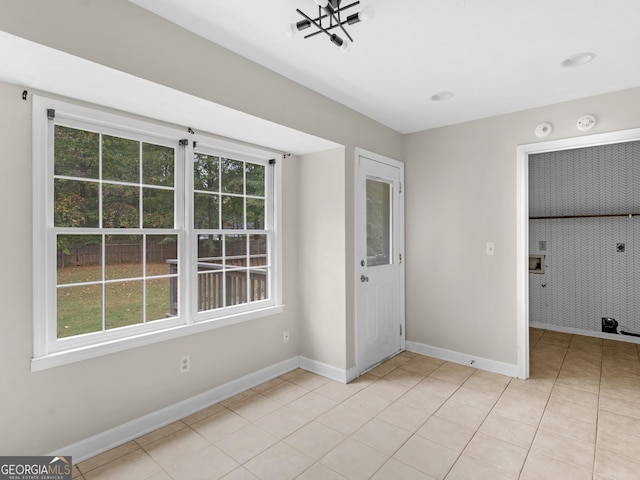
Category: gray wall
[461,193]
[57,407]
[585,276]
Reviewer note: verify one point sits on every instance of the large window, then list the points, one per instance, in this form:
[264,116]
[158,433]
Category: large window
[142,233]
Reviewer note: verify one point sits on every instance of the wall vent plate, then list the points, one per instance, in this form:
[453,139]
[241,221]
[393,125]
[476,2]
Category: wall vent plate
[586,122]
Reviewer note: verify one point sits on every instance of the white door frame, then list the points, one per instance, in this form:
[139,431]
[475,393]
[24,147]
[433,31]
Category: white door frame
[522,251]
[359,152]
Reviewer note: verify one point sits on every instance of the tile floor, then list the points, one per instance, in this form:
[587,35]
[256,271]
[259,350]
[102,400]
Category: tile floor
[413,417]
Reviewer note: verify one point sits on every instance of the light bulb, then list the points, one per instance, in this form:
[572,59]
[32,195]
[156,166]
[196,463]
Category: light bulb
[322,3]
[367,13]
[290,30]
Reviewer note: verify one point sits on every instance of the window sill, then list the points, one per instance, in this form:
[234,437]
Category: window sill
[84,353]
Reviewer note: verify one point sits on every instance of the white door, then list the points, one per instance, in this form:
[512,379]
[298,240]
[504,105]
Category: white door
[379,251]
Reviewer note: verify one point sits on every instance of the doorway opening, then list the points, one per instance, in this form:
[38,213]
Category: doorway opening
[523,219]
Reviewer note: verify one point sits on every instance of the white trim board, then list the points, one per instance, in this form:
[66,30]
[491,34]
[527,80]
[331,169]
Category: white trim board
[493,366]
[128,431]
[587,333]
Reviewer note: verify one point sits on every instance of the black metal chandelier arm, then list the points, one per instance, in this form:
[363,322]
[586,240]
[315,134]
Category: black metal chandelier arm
[336,19]
[320,28]
[344,22]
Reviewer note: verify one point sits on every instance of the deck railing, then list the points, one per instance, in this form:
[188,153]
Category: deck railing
[219,286]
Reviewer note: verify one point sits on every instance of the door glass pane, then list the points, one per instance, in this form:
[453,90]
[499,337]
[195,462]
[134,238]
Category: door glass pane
[379,223]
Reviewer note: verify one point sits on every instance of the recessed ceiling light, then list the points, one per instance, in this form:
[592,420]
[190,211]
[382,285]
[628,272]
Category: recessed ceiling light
[578,59]
[442,96]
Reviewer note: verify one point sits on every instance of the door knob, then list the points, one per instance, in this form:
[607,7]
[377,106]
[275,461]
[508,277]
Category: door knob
[364,279]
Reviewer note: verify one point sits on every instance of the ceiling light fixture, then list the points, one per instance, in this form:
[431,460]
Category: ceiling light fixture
[578,59]
[442,96]
[330,17]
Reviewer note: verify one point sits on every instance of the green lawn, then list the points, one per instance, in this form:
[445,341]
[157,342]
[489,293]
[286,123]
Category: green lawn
[80,308]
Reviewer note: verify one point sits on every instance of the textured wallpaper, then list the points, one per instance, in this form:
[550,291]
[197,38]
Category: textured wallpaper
[592,269]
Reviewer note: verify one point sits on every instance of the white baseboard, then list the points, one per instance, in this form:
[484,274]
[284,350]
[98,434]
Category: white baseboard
[494,366]
[109,439]
[329,371]
[587,333]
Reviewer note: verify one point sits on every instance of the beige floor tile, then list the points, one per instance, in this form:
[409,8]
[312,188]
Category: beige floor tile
[519,411]
[282,422]
[617,423]
[319,471]
[422,365]
[246,443]
[582,401]
[388,389]
[383,369]
[453,373]
[162,475]
[315,439]
[473,398]
[344,419]
[354,460]
[565,392]
[218,426]
[579,411]
[616,466]
[395,470]
[564,449]
[427,456]
[312,404]
[619,442]
[541,467]
[569,427]
[407,418]
[583,382]
[309,381]
[132,466]
[269,384]
[470,468]
[208,464]
[279,462]
[174,448]
[292,374]
[108,456]
[286,392]
[240,397]
[382,436]
[420,399]
[405,377]
[487,382]
[509,430]
[337,391]
[160,433]
[367,401]
[462,414]
[240,473]
[520,393]
[204,413]
[498,453]
[446,433]
[75,472]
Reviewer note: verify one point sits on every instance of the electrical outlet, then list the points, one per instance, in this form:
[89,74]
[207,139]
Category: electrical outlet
[185,364]
[285,336]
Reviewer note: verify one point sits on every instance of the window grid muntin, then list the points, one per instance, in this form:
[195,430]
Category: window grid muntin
[55,341]
[267,231]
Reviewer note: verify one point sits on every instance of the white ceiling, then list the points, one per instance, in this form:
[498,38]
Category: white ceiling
[497,56]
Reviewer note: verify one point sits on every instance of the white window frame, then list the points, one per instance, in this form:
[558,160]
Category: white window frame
[48,350]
